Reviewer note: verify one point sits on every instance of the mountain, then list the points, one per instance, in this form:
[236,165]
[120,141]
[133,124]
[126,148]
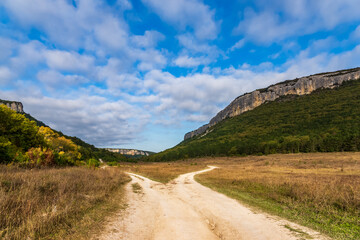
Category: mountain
[130,152]
[299,86]
[319,113]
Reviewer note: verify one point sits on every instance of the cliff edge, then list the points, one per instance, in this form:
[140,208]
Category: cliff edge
[16,106]
[298,86]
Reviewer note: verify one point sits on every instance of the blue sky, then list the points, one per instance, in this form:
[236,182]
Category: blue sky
[140,74]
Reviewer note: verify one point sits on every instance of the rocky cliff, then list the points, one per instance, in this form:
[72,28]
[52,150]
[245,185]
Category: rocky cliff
[131,152]
[299,86]
[16,106]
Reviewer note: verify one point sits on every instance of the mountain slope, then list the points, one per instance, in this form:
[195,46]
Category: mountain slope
[326,120]
[298,86]
[25,140]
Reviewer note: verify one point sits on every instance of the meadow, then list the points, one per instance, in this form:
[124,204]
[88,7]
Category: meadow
[318,190]
[64,203]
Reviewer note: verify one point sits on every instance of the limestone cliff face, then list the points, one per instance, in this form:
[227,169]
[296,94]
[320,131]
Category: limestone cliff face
[299,86]
[132,152]
[16,106]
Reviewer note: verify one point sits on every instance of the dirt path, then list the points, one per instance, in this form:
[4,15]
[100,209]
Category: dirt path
[184,209]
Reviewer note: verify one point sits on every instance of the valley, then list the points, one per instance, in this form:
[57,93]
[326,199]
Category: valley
[316,190]
[183,209]
[179,120]
[288,168]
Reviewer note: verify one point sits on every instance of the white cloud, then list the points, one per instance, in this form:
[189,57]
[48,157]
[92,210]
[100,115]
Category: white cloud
[189,62]
[238,44]
[68,61]
[7,47]
[5,75]
[87,24]
[56,17]
[28,56]
[196,51]
[148,40]
[183,13]
[149,59]
[55,80]
[112,33]
[280,19]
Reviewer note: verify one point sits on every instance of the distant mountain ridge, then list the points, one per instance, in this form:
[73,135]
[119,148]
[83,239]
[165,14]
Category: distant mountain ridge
[298,86]
[130,152]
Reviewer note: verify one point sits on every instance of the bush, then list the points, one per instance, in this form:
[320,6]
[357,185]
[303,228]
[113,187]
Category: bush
[92,162]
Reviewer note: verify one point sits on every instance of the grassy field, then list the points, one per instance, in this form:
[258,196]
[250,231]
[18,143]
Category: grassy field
[164,172]
[318,190]
[67,203]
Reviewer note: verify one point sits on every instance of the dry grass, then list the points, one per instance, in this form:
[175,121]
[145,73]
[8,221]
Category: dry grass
[164,171]
[318,190]
[56,203]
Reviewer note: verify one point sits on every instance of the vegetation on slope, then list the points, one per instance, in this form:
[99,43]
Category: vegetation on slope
[65,203]
[24,142]
[328,120]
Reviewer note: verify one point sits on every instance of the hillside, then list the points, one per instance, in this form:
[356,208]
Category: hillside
[327,120]
[27,141]
[298,86]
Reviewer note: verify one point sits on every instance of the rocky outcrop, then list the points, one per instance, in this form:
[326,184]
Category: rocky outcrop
[131,152]
[299,86]
[16,106]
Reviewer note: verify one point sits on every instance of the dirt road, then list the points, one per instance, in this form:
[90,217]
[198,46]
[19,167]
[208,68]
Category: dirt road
[186,210]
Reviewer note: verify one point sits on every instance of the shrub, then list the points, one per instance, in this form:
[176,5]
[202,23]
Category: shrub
[92,162]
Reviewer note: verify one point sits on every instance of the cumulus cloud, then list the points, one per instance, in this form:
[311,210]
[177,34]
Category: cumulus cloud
[148,40]
[111,32]
[280,19]
[54,80]
[28,56]
[196,51]
[68,61]
[183,13]
[55,17]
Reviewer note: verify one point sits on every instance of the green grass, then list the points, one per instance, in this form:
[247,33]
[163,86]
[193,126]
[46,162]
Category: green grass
[327,120]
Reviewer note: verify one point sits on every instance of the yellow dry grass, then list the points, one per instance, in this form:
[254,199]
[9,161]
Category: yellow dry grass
[163,171]
[56,203]
[319,190]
